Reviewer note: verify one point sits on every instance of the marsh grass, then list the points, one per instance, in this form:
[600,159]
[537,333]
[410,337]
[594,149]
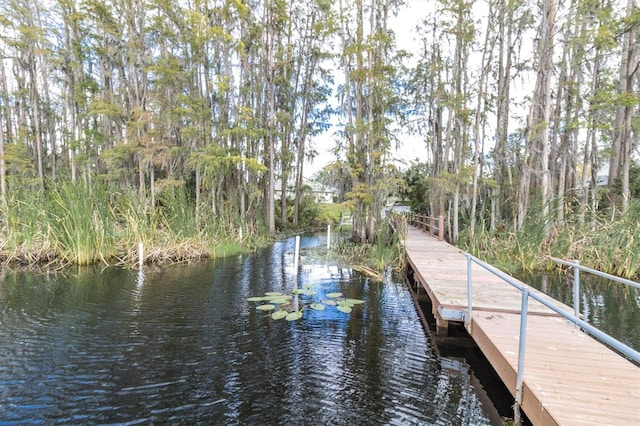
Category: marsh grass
[330,213]
[387,251]
[82,224]
[611,246]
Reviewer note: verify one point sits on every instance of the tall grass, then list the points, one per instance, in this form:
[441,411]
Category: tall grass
[23,237]
[387,251]
[79,221]
[176,212]
[81,224]
[611,246]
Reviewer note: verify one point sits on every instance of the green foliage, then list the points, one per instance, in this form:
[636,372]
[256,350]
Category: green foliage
[416,187]
[69,222]
[82,224]
[611,246]
[288,306]
[177,211]
[634,182]
[19,167]
[310,216]
[330,213]
[374,258]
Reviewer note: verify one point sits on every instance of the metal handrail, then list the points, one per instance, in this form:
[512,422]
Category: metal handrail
[603,337]
[576,264]
[576,279]
[616,344]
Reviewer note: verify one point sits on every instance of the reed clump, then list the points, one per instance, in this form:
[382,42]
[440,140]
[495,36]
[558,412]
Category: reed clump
[386,252]
[610,245]
[79,223]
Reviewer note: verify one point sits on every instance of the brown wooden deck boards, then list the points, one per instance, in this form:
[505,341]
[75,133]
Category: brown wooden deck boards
[569,378]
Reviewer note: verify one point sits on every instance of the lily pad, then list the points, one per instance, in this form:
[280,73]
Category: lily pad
[329,302]
[304,291]
[278,300]
[267,307]
[294,316]
[334,295]
[317,306]
[273,293]
[256,299]
[355,301]
[344,308]
[278,315]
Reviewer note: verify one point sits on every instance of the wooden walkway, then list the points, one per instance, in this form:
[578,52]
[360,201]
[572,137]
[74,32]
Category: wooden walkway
[569,377]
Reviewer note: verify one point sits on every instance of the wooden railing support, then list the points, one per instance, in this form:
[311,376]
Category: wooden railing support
[428,224]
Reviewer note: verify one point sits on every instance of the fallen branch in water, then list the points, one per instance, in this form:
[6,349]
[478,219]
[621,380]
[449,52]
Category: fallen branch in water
[369,272]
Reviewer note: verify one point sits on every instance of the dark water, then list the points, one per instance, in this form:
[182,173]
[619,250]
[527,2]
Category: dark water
[181,345]
[609,306]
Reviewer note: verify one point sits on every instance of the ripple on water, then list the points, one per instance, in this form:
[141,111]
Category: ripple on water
[182,345]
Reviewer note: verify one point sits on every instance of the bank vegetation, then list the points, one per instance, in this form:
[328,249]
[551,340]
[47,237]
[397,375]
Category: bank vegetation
[188,125]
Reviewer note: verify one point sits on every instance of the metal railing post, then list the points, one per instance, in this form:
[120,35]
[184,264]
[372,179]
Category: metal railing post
[576,288]
[521,349]
[469,294]
[601,336]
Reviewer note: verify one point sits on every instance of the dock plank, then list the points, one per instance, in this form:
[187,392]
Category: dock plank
[569,378]
[446,266]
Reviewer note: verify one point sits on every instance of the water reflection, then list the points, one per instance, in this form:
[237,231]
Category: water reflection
[611,307]
[181,344]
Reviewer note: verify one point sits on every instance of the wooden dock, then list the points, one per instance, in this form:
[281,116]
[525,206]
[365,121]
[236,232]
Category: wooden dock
[569,377]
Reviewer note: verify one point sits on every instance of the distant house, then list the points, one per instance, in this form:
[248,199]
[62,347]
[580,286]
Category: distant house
[320,193]
[601,180]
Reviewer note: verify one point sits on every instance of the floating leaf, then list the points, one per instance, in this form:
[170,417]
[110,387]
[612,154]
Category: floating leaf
[273,293]
[277,315]
[334,295]
[317,306]
[267,307]
[345,309]
[350,302]
[278,301]
[304,291]
[294,316]
[329,302]
[256,299]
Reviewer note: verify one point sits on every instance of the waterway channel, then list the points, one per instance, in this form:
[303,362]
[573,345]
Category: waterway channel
[182,345]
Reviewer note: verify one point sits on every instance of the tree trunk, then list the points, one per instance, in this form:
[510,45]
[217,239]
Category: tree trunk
[485,64]
[4,118]
[621,155]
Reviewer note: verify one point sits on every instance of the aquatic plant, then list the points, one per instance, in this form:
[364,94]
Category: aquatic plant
[80,223]
[373,259]
[608,244]
[288,306]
